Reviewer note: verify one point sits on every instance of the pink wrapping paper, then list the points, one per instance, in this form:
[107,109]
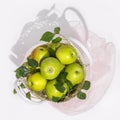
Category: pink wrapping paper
[100,74]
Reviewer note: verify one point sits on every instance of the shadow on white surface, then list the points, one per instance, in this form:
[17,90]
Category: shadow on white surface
[46,20]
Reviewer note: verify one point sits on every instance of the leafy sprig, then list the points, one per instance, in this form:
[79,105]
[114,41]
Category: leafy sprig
[60,82]
[57,30]
[14,91]
[31,62]
[81,95]
[56,40]
[60,87]
[22,71]
[28,95]
[86,86]
[22,85]
[56,99]
[51,36]
[62,77]
[47,36]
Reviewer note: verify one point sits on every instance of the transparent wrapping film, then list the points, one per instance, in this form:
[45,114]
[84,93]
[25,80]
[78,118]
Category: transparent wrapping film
[97,55]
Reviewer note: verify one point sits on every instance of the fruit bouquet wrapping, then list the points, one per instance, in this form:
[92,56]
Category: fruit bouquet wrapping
[95,58]
[53,71]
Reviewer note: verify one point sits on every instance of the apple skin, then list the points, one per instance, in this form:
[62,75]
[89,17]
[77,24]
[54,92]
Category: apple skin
[39,53]
[50,68]
[66,54]
[75,73]
[52,91]
[36,82]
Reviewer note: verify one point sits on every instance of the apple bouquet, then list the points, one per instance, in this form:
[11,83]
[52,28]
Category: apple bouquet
[53,70]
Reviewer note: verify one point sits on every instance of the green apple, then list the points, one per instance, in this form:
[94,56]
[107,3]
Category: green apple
[36,82]
[75,73]
[39,53]
[66,54]
[51,90]
[50,68]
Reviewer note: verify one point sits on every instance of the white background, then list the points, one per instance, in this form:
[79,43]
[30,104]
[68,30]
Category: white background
[102,17]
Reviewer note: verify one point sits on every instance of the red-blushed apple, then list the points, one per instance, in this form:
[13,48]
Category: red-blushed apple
[39,53]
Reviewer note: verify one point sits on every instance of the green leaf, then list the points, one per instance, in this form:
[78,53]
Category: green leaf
[86,85]
[55,99]
[33,63]
[28,95]
[52,47]
[14,91]
[56,40]
[22,85]
[73,89]
[47,36]
[62,77]
[62,98]
[22,72]
[81,95]
[18,87]
[60,87]
[57,30]
[70,85]
[52,52]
